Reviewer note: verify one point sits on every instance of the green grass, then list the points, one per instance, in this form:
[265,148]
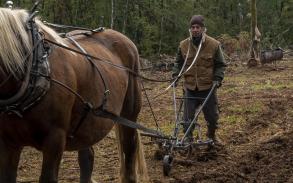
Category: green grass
[237,113]
[271,86]
[232,119]
[229,91]
[255,107]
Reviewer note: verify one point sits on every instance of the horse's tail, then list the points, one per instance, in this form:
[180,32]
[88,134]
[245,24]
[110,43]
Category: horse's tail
[140,158]
[129,140]
[142,169]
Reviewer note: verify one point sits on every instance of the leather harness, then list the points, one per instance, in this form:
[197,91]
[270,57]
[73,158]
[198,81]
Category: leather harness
[33,87]
[37,83]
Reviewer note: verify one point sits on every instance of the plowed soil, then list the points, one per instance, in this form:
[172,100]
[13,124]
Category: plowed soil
[256,129]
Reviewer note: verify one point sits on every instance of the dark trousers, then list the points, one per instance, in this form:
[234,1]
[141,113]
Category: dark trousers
[192,101]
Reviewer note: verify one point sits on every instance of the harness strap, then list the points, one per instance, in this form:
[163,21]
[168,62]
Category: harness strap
[104,60]
[86,109]
[101,112]
[72,27]
[14,99]
[107,91]
[32,88]
[125,122]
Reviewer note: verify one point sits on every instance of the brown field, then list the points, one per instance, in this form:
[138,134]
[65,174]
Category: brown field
[256,126]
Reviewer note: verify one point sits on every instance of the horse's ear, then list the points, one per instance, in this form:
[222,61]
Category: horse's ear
[33,14]
[31,20]
[35,6]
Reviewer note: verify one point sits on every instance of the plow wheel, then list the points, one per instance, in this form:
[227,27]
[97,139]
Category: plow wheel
[167,164]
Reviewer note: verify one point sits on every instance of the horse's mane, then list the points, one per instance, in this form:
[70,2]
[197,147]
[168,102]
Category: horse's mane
[15,40]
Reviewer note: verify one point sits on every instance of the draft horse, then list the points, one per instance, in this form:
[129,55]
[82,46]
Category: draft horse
[49,104]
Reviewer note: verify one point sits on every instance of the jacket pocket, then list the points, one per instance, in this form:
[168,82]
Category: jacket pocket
[207,61]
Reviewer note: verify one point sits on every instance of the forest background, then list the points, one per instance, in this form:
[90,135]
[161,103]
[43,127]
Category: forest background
[157,26]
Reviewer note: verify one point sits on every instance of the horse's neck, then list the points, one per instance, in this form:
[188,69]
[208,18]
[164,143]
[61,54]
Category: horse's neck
[8,86]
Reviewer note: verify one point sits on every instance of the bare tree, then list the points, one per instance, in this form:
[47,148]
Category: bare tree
[161,27]
[125,17]
[112,13]
[255,37]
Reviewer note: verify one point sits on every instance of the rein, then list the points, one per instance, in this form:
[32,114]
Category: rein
[182,72]
[33,88]
[107,91]
[71,27]
[104,60]
[88,106]
[96,58]
[101,112]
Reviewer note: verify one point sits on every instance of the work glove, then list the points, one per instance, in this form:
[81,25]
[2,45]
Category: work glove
[176,83]
[174,76]
[217,83]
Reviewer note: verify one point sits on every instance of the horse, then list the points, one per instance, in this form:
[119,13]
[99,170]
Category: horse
[61,117]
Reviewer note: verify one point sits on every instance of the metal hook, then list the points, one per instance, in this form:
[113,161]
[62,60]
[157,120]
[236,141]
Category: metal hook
[9,4]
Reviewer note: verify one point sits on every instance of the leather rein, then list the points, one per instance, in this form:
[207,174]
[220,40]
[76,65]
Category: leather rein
[33,88]
[101,110]
[104,60]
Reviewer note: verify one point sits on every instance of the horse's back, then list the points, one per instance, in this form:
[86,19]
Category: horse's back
[115,54]
[111,48]
[112,42]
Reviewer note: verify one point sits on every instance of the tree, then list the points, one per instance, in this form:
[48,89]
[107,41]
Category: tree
[112,13]
[255,37]
[125,17]
[157,26]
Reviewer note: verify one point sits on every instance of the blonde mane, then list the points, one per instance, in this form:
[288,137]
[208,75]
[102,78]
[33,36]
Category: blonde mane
[15,40]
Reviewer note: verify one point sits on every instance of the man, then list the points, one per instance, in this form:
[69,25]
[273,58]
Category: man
[207,70]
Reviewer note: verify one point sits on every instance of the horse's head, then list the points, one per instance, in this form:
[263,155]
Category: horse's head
[15,42]
[16,46]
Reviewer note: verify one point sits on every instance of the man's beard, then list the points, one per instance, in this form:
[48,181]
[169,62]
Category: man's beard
[196,39]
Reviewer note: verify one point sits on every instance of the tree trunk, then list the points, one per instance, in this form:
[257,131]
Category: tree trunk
[161,35]
[125,17]
[240,14]
[161,27]
[112,13]
[255,37]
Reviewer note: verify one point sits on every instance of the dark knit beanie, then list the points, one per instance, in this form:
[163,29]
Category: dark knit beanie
[197,19]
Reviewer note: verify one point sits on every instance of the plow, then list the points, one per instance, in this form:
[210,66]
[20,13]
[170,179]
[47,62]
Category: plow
[179,140]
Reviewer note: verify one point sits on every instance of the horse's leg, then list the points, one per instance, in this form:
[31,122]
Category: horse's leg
[9,158]
[127,149]
[86,162]
[53,148]
[131,154]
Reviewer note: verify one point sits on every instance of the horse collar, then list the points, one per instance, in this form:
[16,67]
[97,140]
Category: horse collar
[37,72]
